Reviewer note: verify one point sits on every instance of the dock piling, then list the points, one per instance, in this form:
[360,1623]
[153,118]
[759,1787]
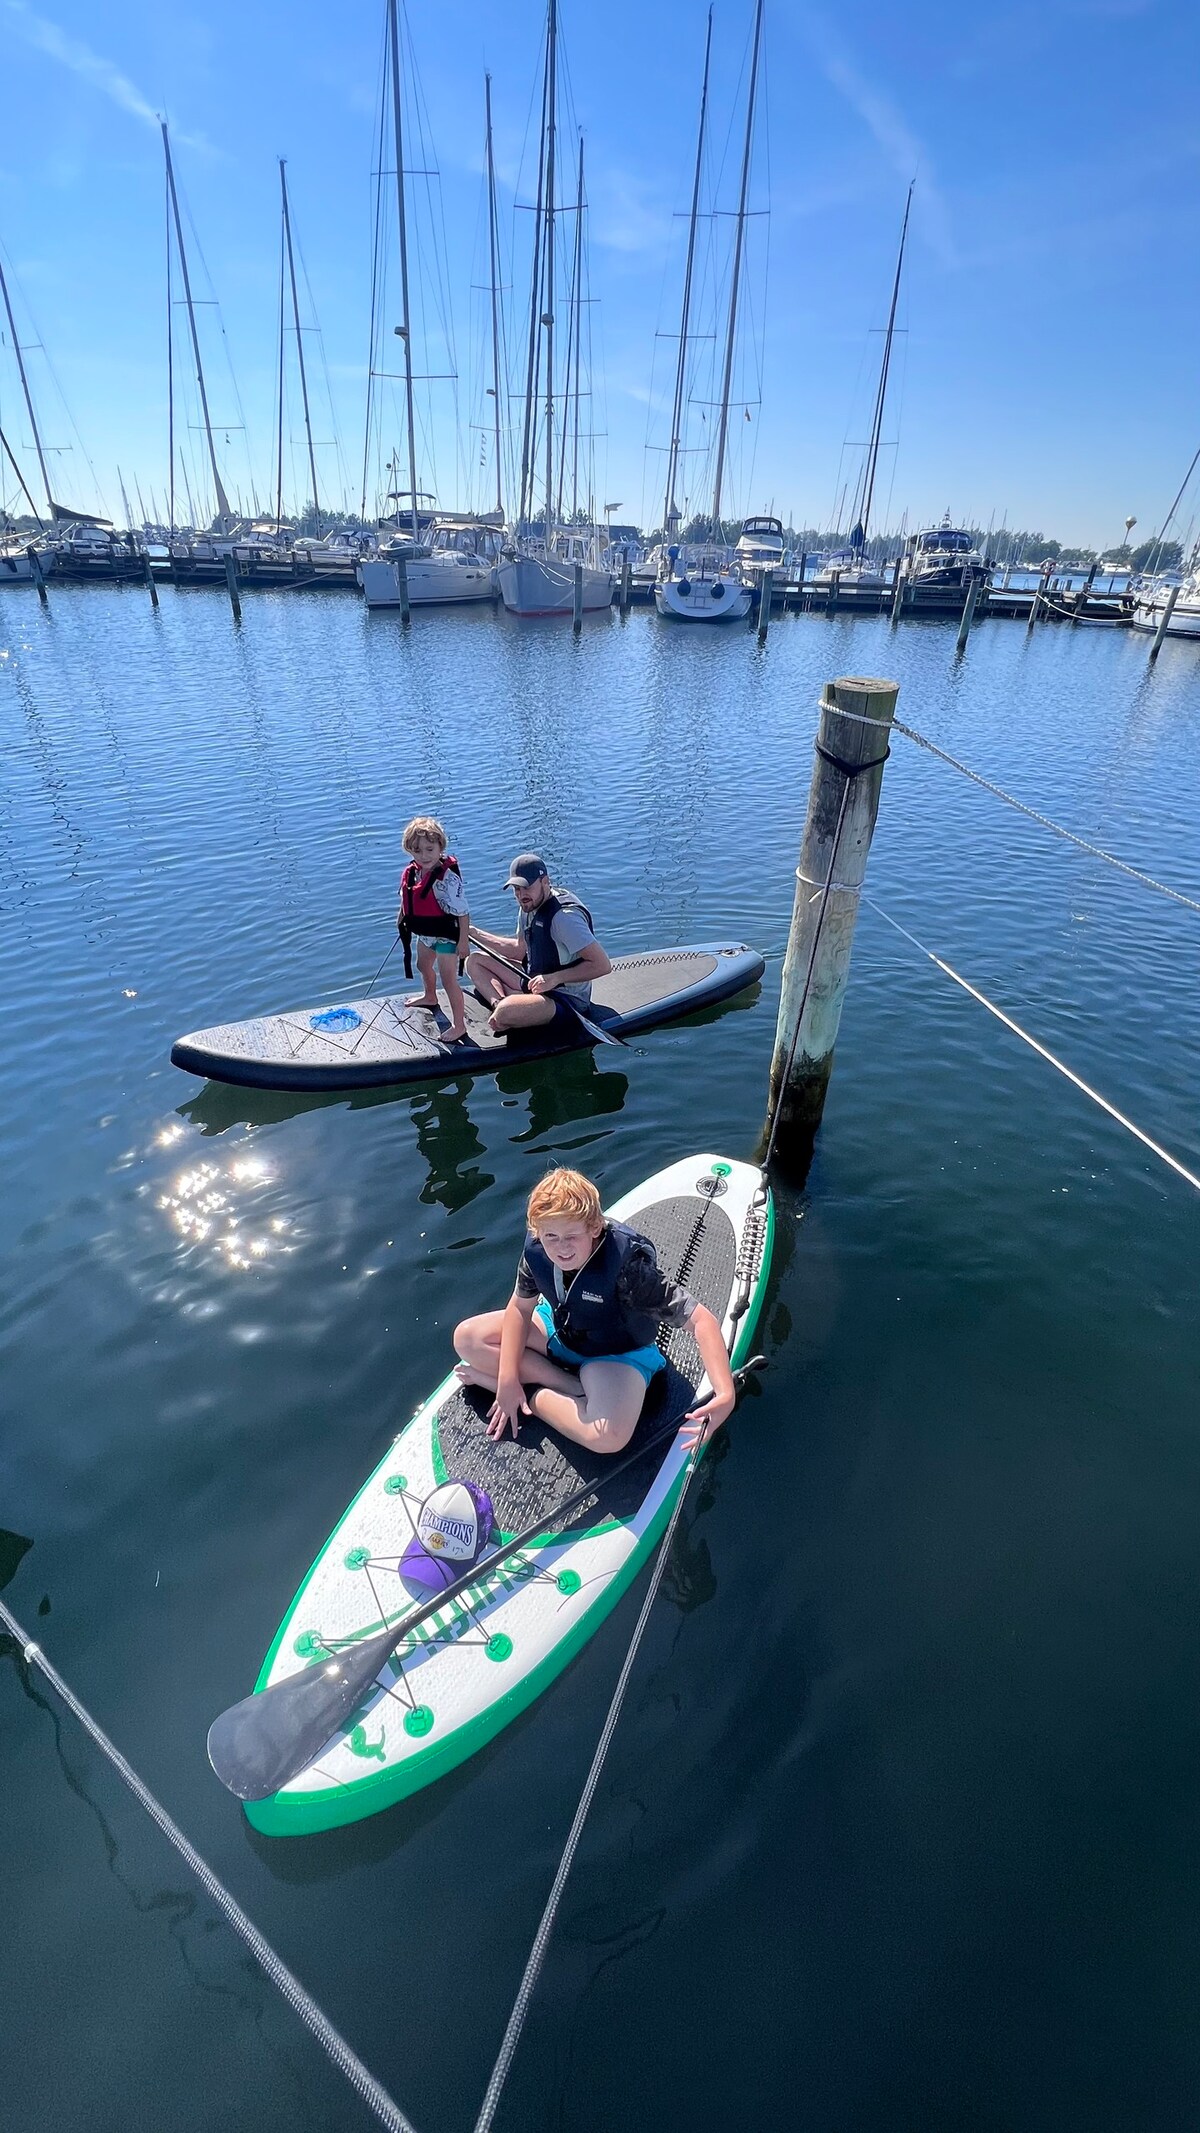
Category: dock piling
[626,583]
[968,614]
[831,597]
[843,802]
[577,600]
[402,584]
[766,593]
[39,575]
[1164,624]
[150,584]
[231,581]
[897,591]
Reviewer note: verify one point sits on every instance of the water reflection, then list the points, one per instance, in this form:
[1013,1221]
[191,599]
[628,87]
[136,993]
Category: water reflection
[561,1092]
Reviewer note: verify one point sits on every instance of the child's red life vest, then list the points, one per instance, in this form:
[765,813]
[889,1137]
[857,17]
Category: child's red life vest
[420,912]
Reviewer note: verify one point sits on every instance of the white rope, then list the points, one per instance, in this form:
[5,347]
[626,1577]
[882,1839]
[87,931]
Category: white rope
[1097,851]
[373,2094]
[541,1940]
[1076,1081]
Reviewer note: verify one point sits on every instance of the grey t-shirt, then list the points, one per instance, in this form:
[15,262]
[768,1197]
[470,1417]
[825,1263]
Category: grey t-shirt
[571,934]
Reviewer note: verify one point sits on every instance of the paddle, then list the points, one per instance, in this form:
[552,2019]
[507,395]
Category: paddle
[594,1029]
[259,1744]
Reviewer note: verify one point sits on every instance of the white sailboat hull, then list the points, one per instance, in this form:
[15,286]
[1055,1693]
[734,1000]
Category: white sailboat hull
[15,568]
[431,581]
[719,599]
[531,585]
[1185,619]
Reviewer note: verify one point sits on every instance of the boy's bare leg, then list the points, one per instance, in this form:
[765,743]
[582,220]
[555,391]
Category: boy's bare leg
[454,995]
[603,1414]
[427,966]
[478,1343]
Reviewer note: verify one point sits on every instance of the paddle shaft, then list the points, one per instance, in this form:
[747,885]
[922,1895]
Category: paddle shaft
[594,1029]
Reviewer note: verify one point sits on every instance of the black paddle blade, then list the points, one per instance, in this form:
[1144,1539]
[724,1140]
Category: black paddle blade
[268,1738]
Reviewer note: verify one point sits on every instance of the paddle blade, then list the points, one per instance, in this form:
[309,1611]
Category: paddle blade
[259,1744]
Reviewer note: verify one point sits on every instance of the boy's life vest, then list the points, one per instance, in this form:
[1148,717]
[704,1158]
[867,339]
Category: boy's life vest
[541,949]
[592,1318]
[420,911]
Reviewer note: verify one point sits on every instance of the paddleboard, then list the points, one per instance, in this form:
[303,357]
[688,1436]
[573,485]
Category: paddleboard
[470,1668]
[366,1043]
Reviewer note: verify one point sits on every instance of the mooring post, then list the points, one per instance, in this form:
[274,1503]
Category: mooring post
[1164,624]
[766,593]
[39,575]
[153,589]
[1084,594]
[577,600]
[1039,595]
[843,802]
[898,590]
[626,583]
[402,586]
[231,581]
[800,580]
[831,597]
[968,615]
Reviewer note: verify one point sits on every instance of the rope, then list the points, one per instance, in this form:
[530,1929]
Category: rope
[1097,851]
[1076,1080]
[541,1939]
[373,2094]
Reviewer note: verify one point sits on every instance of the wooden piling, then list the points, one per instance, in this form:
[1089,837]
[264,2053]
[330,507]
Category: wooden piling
[843,802]
[402,587]
[968,614]
[577,600]
[626,583]
[800,583]
[1039,596]
[39,575]
[150,584]
[898,590]
[766,593]
[831,597]
[1083,595]
[1165,623]
[232,583]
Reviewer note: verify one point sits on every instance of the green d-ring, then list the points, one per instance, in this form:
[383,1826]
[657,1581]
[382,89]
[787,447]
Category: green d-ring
[721,1170]
[396,1484]
[568,1582]
[498,1647]
[308,1644]
[419,1722]
[358,1558]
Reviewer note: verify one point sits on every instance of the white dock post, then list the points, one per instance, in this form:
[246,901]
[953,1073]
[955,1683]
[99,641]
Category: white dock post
[1164,624]
[843,802]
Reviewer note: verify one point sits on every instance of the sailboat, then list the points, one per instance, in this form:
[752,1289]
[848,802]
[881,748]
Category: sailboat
[436,572]
[854,573]
[702,587]
[540,576]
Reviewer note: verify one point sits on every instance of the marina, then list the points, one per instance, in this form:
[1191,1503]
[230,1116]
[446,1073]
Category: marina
[599,1330]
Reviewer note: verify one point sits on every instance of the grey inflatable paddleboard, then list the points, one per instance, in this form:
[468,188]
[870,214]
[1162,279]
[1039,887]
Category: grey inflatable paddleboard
[358,1044]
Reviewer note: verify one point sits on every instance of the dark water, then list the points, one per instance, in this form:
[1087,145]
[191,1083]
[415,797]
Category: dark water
[900,1826]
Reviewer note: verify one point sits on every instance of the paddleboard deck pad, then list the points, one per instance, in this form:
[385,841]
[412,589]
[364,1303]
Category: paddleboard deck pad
[483,1657]
[368,1043]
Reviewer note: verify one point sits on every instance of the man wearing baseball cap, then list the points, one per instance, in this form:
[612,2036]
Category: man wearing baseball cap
[554,944]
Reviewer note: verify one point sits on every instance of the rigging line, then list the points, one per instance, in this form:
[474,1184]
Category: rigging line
[537,1953]
[1097,851]
[372,2092]
[1076,1080]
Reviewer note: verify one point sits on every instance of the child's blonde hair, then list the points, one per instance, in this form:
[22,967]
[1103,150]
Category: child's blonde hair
[565,1192]
[424,826]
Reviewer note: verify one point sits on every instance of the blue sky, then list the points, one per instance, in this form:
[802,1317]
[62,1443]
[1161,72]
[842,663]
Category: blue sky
[1050,365]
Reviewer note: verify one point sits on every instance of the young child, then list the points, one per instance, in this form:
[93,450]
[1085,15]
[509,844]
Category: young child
[433,911]
[575,1343]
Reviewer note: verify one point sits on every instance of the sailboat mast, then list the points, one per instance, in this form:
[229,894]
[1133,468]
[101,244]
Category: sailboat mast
[739,246]
[548,313]
[287,232]
[492,248]
[170,375]
[280,379]
[578,323]
[571,366]
[535,290]
[222,499]
[37,440]
[881,395]
[670,510]
[403,330]
[15,464]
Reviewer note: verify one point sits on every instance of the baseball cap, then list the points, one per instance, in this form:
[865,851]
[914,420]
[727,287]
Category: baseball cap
[453,1526]
[525,870]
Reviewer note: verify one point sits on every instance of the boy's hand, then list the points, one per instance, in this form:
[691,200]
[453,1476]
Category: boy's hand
[704,1422]
[541,985]
[507,1408]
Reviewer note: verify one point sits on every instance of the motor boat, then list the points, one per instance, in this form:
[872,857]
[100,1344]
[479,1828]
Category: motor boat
[701,587]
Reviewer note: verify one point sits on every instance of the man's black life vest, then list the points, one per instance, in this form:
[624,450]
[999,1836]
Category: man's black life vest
[591,1318]
[541,949]
[420,911]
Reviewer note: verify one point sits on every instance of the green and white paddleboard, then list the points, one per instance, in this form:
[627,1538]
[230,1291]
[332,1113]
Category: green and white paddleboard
[469,1668]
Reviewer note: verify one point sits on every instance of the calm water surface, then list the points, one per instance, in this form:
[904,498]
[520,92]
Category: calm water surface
[900,1826]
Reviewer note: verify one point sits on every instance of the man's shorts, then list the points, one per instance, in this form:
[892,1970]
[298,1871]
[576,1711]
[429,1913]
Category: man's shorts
[647,1360]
